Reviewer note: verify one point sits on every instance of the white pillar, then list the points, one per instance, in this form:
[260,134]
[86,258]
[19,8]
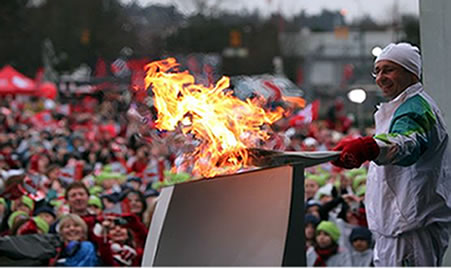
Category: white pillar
[435,31]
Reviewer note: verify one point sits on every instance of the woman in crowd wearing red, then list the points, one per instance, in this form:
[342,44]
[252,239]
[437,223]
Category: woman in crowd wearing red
[117,244]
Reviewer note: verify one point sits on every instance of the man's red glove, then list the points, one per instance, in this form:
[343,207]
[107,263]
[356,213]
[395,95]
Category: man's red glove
[356,151]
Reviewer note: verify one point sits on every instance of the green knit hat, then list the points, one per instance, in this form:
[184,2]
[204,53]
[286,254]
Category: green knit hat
[320,170]
[330,228]
[108,168]
[105,175]
[3,201]
[355,172]
[41,224]
[14,215]
[95,190]
[358,180]
[95,201]
[361,190]
[56,203]
[27,201]
[320,179]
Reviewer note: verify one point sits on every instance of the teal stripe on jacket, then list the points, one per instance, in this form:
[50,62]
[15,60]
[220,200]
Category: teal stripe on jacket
[414,119]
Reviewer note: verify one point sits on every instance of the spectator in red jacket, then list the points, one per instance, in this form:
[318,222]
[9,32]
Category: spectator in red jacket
[118,245]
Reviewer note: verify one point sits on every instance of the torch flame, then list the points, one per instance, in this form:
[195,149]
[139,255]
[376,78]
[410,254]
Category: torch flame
[225,125]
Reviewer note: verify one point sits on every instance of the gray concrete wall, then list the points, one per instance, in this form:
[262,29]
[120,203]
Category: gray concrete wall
[435,31]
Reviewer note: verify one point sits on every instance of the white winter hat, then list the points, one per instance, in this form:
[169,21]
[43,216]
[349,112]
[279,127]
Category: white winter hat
[404,54]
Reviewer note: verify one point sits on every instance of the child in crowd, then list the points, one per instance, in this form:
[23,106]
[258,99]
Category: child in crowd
[312,183]
[15,218]
[313,207]
[95,205]
[350,216]
[27,225]
[47,213]
[25,204]
[361,252]
[327,251]
[310,222]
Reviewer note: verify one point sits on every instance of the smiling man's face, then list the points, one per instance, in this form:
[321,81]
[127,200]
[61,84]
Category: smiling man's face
[392,78]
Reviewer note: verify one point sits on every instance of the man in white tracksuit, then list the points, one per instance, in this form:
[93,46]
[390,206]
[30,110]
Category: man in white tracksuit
[408,196]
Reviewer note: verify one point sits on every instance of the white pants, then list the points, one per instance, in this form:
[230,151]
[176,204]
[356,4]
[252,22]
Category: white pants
[421,247]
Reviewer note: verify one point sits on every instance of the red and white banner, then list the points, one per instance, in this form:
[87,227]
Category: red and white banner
[306,115]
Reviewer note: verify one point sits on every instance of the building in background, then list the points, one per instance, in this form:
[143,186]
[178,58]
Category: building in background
[328,64]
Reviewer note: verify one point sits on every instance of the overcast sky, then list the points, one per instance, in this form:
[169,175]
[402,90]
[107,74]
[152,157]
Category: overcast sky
[380,10]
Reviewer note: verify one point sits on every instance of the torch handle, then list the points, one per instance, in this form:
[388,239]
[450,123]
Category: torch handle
[262,157]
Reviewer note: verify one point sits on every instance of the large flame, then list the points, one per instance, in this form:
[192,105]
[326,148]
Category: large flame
[224,125]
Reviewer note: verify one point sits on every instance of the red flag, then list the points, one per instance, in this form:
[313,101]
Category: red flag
[307,115]
[137,64]
[277,91]
[101,70]
[348,73]
[78,171]
[39,76]
[67,174]
[119,67]
[137,81]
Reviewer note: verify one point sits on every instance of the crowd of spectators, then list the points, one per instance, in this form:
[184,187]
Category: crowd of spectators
[88,179]
[90,173]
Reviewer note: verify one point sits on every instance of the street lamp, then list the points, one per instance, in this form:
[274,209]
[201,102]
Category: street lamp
[376,51]
[358,96]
